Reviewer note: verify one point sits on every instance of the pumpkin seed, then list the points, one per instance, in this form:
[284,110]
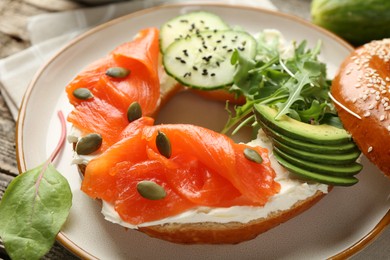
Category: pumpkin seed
[82,93]
[117,72]
[89,144]
[163,144]
[252,155]
[134,111]
[151,190]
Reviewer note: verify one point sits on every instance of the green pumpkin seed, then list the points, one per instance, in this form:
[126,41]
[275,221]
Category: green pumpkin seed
[252,155]
[89,144]
[82,93]
[163,144]
[134,111]
[151,190]
[117,72]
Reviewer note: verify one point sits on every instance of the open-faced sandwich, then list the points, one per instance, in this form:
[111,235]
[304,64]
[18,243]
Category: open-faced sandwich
[188,184]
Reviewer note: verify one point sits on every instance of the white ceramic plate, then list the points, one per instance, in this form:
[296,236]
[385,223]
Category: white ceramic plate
[333,226]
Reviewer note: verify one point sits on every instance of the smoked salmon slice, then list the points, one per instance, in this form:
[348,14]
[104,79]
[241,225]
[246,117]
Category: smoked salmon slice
[205,169]
[105,112]
[219,158]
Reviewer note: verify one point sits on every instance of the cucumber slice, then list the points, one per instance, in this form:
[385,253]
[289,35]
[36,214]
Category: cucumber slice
[188,24]
[203,60]
[327,179]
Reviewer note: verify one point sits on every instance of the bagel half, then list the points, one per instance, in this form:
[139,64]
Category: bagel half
[233,232]
[297,196]
[362,89]
[224,232]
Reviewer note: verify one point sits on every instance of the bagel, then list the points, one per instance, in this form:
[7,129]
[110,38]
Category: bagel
[362,89]
[217,225]
[296,197]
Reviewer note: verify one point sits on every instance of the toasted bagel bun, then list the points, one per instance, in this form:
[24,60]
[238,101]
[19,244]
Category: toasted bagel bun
[227,233]
[362,89]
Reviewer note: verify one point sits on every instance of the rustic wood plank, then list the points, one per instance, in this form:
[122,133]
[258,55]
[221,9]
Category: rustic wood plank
[9,45]
[7,141]
[14,16]
[14,25]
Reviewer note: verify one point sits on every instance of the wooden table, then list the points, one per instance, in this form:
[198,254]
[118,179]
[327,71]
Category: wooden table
[14,38]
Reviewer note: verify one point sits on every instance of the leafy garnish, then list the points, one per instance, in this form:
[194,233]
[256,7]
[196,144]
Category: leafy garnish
[34,207]
[294,83]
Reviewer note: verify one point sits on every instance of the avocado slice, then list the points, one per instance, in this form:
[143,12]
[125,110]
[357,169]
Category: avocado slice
[306,146]
[336,170]
[312,175]
[335,159]
[318,134]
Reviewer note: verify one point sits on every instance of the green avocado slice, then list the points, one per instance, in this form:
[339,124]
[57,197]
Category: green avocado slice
[310,147]
[328,169]
[318,134]
[337,159]
[328,179]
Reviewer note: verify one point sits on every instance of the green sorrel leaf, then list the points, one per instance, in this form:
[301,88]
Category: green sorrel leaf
[33,209]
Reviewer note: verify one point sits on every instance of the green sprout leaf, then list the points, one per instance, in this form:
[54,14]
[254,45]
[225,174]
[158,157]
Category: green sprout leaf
[296,84]
[33,209]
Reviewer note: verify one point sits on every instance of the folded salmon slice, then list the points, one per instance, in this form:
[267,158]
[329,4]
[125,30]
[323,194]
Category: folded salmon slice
[105,113]
[222,161]
[205,169]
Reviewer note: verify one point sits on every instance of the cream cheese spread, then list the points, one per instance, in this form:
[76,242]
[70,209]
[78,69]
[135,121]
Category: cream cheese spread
[292,191]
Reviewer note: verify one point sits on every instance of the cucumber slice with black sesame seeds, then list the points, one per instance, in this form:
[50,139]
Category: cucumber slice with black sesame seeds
[203,60]
[188,24]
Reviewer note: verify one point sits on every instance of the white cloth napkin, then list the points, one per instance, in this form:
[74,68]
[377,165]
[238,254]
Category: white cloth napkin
[50,32]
